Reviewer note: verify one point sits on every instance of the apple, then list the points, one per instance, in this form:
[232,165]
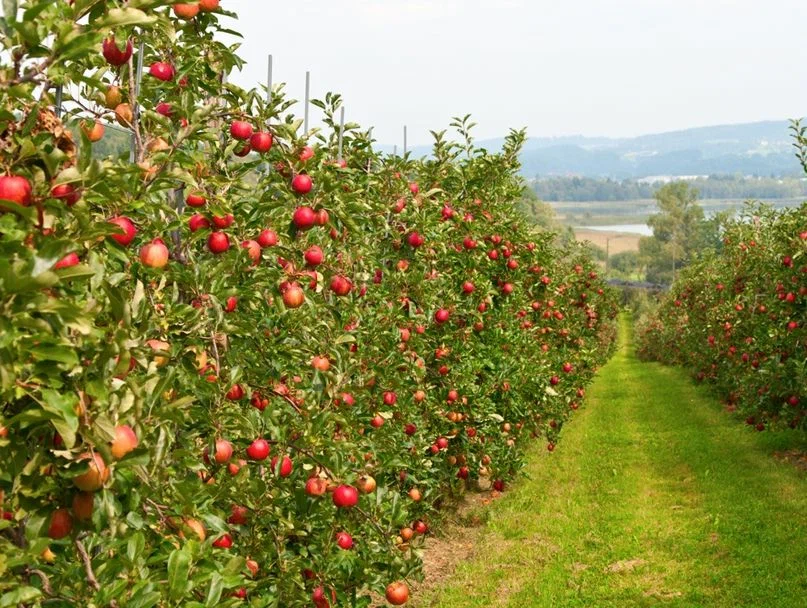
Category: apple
[441,315]
[253,250]
[223,222]
[154,254]
[197,222]
[236,393]
[344,540]
[164,109]
[71,259]
[94,131]
[316,486]
[218,242]
[66,192]
[320,599]
[293,296]
[238,515]
[128,230]
[468,287]
[241,130]
[390,398]
[223,451]
[410,429]
[469,243]
[399,205]
[114,55]
[307,153]
[195,200]
[322,218]
[125,441]
[442,443]
[320,363]
[415,494]
[340,285]
[112,97]
[258,449]
[208,5]
[252,566]
[415,240]
[567,367]
[304,218]
[261,142]
[302,183]
[498,485]
[267,238]
[397,593]
[83,505]
[95,477]
[366,484]
[286,466]
[314,256]
[15,189]
[162,70]
[414,188]
[186,10]
[61,524]
[345,496]
[194,526]
[230,304]
[377,421]
[225,541]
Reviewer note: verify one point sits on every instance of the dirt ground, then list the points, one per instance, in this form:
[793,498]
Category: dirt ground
[620,241]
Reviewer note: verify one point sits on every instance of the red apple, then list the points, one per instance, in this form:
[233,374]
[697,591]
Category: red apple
[154,254]
[267,238]
[258,449]
[302,183]
[304,218]
[162,70]
[197,222]
[344,540]
[345,497]
[286,466]
[16,189]
[218,242]
[223,222]
[61,524]
[397,594]
[195,199]
[114,55]
[128,228]
[225,541]
[316,486]
[314,256]
[261,142]
[71,259]
[293,296]
[441,316]
[340,285]
[186,10]
[223,451]
[241,130]
[66,192]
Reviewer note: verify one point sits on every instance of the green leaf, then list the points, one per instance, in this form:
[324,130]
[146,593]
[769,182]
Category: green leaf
[10,9]
[179,567]
[135,546]
[214,593]
[119,17]
[19,596]
[62,354]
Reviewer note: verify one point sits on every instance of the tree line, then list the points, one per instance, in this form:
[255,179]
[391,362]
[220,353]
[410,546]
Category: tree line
[582,189]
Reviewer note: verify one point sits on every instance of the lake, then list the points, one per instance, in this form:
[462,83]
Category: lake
[642,229]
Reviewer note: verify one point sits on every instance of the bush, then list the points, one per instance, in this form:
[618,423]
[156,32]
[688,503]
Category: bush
[249,385]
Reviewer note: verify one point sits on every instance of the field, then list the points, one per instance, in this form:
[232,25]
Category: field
[616,242]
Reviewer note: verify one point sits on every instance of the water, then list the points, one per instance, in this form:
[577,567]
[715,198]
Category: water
[642,229]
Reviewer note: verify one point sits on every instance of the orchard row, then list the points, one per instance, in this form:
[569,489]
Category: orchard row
[738,319]
[243,370]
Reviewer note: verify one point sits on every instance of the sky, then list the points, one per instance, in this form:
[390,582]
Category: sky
[615,68]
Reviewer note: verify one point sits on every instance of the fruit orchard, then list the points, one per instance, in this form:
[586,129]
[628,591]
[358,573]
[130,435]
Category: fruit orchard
[237,369]
[738,319]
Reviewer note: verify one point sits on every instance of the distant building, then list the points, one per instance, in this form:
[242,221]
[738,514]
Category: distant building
[666,179]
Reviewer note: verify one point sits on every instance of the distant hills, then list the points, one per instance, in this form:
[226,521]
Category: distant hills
[758,148]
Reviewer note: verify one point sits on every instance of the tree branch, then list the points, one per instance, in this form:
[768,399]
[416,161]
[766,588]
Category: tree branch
[87,565]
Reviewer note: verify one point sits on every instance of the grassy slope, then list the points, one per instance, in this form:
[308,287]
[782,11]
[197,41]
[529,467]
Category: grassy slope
[653,497]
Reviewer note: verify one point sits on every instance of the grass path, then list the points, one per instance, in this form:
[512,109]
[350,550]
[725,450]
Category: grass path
[654,497]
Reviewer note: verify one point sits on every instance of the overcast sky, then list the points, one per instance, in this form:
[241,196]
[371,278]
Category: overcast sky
[559,67]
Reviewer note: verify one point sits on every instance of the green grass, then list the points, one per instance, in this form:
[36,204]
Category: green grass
[654,497]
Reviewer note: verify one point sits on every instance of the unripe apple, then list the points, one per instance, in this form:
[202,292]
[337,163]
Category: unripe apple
[93,130]
[124,114]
